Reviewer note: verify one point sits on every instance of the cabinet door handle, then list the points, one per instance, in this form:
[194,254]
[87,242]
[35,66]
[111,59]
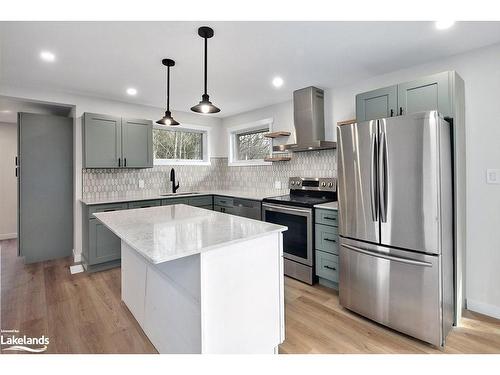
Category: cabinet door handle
[400,111]
[119,162]
[109,210]
[330,268]
[329,240]
[16,171]
[329,218]
[392,112]
[16,160]
[124,162]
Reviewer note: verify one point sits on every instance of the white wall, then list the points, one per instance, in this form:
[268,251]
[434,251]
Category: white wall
[83,104]
[480,70]
[8,181]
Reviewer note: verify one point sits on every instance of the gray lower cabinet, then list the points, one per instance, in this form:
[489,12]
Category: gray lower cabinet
[326,247]
[204,201]
[237,206]
[433,92]
[115,142]
[101,247]
[377,103]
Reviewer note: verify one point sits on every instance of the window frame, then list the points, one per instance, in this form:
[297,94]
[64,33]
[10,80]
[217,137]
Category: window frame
[234,131]
[205,149]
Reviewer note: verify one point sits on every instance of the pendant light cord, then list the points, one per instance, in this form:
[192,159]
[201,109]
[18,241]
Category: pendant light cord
[206,64]
[168,88]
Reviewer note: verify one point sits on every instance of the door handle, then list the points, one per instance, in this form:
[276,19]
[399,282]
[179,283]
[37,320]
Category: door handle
[388,257]
[329,240]
[330,268]
[392,112]
[382,177]
[373,182]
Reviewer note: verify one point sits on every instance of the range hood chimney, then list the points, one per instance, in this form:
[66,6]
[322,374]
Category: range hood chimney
[309,122]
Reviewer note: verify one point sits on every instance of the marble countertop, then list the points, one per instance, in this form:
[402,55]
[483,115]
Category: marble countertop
[165,233]
[254,195]
[328,206]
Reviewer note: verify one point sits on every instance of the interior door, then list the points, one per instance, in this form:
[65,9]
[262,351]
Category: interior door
[137,143]
[357,180]
[409,200]
[45,215]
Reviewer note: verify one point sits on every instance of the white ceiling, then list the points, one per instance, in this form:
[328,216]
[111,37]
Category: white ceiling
[104,58]
[10,107]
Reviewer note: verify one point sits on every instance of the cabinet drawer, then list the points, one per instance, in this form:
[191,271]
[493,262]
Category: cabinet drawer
[326,238]
[171,201]
[106,208]
[144,204]
[200,201]
[327,217]
[223,201]
[327,266]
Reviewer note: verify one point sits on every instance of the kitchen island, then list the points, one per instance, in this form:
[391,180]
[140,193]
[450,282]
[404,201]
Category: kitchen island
[199,281]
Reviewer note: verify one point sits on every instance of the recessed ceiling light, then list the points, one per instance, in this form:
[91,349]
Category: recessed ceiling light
[47,56]
[131,91]
[443,25]
[5,111]
[277,82]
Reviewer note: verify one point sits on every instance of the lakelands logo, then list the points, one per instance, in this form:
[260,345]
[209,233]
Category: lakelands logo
[11,341]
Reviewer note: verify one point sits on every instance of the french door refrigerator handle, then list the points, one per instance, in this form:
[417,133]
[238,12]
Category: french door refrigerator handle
[373,182]
[388,257]
[382,176]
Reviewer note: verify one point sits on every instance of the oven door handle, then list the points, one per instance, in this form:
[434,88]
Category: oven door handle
[274,207]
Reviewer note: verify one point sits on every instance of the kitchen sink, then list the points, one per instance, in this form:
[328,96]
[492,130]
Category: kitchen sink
[179,194]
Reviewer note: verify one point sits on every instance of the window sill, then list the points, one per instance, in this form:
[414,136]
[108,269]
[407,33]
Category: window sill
[247,163]
[180,162]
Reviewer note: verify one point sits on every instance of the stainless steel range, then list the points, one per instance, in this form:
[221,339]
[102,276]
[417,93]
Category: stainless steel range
[296,211]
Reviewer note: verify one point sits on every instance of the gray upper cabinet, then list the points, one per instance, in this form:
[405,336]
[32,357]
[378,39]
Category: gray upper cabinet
[378,103]
[434,92]
[102,141]
[137,143]
[427,93]
[114,142]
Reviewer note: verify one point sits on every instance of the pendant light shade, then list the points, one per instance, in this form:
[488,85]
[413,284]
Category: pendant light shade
[168,119]
[205,105]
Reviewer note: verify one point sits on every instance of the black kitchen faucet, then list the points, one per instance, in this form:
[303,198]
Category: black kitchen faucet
[172,179]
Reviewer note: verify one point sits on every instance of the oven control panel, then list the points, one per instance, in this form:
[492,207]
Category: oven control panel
[317,184]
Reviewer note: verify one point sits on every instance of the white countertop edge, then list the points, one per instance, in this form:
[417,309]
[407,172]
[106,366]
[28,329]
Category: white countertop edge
[232,194]
[280,229]
[334,206]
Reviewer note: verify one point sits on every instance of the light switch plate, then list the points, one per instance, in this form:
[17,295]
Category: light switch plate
[493,176]
[141,184]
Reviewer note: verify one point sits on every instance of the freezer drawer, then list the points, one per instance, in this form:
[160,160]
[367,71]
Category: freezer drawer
[399,289]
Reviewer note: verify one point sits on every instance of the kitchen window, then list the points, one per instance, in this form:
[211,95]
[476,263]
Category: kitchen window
[248,145]
[186,145]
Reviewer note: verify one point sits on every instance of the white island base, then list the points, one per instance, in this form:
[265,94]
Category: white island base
[226,300]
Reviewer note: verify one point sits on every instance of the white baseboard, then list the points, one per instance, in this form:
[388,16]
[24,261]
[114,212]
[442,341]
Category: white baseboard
[77,257]
[8,236]
[483,308]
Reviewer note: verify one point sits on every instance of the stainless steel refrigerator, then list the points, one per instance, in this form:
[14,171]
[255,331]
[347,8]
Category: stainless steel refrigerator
[396,223]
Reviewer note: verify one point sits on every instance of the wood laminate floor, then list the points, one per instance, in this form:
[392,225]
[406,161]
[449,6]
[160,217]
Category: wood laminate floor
[83,313]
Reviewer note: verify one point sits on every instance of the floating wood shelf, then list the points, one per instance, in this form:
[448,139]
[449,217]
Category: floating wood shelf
[277,134]
[277,158]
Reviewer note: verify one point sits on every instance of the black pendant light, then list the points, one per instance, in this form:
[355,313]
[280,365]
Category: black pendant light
[168,119]
[205,106]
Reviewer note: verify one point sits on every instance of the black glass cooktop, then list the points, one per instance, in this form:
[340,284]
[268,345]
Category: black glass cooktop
[303,199]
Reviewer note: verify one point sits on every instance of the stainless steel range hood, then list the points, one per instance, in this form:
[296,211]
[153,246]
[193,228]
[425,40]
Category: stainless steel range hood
[309,122]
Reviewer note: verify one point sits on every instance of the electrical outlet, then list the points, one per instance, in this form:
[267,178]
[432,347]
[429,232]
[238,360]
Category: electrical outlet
[493,176]
[277,184]
[141,184]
